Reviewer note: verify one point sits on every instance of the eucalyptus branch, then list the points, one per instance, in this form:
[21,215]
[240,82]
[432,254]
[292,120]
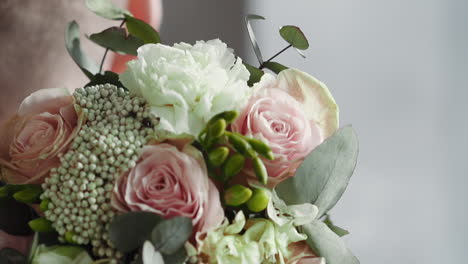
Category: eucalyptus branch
[274,56]
[107,50]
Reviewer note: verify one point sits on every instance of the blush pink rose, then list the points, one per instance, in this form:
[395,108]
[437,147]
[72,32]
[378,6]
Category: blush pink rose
[278,114]
[19,243]
[43,127]
[170,182]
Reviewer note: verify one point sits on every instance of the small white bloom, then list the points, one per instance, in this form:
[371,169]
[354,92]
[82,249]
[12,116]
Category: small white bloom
[282,214]
[150,255]
[186,85]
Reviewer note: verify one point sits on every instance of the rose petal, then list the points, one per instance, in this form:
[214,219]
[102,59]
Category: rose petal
[45,100]
[316,99]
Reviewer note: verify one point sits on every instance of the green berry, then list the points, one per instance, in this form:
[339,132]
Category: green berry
[237,195]
[259,200]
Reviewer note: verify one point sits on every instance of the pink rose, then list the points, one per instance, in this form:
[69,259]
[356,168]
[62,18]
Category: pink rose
[43,127]
[19,243]
[293,114]
[170,182]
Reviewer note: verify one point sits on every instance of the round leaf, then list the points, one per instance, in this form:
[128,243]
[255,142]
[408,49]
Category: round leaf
[327,244]
[274,66]
[294,36]
[116,39]
[129,231]
[252,37]
[72,43]
[324,175]
[106,9]
[255,74]
[142,30]
[171,234]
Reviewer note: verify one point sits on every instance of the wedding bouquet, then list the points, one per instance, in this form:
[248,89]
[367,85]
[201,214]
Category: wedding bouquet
[189,156]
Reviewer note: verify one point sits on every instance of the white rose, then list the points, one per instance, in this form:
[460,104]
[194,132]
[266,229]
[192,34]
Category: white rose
[187,85]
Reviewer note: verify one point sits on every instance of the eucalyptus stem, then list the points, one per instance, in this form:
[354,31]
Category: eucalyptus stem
[107,50]
[274,56]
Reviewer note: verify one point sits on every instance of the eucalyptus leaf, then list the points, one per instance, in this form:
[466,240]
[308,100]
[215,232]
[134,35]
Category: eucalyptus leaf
[327,244]
[336,229]
[294,36]
[255,74]
[252,37]
[274,66]
[116,39]
[106,9]
[15,217]
[11,256]
[171,234]
[129,231]
[142,30]
[108,77]
[178,257]
[324,175]
[72,43]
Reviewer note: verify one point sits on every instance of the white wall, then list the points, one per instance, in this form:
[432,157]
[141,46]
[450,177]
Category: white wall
[397,69]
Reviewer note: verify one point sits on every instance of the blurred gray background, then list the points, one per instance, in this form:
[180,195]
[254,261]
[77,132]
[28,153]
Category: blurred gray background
[398,72]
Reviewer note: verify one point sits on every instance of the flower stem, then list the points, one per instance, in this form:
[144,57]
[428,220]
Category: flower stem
[274,56]
[107,50]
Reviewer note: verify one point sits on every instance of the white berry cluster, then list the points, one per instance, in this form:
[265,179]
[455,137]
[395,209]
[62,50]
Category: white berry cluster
[79,190]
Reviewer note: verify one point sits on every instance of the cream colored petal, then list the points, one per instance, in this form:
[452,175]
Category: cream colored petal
[315,98]
[45,100]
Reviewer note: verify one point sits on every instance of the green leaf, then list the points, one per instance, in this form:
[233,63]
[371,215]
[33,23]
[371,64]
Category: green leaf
[252,37]
[324,175]
[72,43]
[336,229]
[108,77]
[142,30]
[255,74]
[129,231]
[171,234]
[116,39]
[29,194]
[294,36]
[327,244]
[11,256]
[178,257]
[106,9]
[274,66]
[15,217]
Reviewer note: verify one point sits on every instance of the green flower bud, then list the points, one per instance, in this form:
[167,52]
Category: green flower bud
[261,148]
[228,116]
[241,145]
[217,129]
[259,200]
[41,225]
[29,194]
[260,170]
[237,195]
[233,166]
[217,156]
[44,205]
[69,237]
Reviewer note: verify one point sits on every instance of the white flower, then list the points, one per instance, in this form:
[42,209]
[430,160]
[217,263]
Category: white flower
[186,85]
[150,255]
[262,242]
